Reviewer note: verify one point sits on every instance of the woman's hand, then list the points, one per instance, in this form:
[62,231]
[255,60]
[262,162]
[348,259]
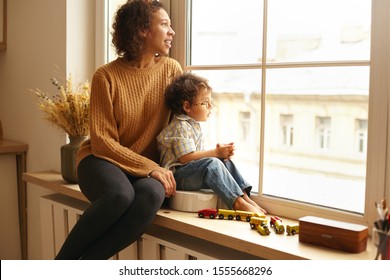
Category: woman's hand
[165,177]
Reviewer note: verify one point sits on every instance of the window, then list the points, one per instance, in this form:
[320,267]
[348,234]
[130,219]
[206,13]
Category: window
[245,125]
[361,136]
[275,57]
[266,58]
[287,130]
[323,132]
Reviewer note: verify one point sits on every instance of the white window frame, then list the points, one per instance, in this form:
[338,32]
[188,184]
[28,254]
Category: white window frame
[378,149]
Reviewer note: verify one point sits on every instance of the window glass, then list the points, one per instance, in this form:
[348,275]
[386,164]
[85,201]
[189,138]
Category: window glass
[325,106]
[307,30]
[112,8]
[226,32]
[303,135]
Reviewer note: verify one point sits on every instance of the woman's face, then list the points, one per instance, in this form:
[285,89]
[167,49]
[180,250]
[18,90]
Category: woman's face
[160,37]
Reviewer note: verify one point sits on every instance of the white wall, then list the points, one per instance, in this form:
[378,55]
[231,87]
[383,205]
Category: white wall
[42,34]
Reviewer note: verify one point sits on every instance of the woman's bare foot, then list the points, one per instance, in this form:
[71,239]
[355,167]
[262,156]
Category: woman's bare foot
[250,201]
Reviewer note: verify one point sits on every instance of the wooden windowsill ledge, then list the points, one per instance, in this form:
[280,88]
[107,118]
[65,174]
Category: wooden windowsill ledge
[236,235]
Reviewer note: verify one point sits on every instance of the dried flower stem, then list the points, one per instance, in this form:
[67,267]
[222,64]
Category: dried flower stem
[69,109]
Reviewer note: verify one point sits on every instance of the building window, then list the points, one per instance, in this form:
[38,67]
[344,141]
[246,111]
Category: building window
[361,136]
[323,132]
[245,125]
[287,130]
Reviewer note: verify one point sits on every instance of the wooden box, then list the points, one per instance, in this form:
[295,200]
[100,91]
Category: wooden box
[333,234]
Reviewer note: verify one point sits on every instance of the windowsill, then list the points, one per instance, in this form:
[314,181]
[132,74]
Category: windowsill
[236,235]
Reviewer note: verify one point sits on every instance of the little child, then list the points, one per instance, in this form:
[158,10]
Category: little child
[181,151]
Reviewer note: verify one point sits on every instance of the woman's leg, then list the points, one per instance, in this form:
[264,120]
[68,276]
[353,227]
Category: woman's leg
[149,196]
[110,193]
[112,196]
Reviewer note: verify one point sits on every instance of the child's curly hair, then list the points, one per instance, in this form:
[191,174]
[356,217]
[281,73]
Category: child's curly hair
[184,87]
[131,19]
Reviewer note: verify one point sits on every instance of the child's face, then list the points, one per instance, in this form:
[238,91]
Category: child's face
[200,110]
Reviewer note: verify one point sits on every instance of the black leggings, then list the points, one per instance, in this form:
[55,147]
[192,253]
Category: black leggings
[122,208]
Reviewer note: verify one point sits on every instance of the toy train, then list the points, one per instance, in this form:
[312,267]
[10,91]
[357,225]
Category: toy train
[257,220]
[277,224]
[229,214]
[292,230]
[260,223]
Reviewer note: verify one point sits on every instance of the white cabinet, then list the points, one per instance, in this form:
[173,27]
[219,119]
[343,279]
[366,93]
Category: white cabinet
[59,213]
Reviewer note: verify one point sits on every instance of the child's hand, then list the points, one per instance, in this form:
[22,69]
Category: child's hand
[225,151]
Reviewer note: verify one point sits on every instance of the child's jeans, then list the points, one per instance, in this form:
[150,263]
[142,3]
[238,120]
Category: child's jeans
[221,176]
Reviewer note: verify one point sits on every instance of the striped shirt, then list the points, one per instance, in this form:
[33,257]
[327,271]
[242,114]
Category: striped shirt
[182,136]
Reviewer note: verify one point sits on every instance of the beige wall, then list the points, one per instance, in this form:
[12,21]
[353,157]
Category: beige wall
[42,34]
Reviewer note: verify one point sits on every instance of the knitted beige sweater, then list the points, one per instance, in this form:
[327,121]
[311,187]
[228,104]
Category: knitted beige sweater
[127,113]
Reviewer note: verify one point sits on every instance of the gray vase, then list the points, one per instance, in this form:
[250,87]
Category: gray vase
[68,158]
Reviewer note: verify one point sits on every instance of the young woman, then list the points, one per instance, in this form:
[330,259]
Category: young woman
[117,167]
[180,146]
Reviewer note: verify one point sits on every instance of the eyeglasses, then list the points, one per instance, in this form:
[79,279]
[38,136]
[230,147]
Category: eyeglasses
[204,103]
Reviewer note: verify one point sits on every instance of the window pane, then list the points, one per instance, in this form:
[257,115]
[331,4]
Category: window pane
[321,30]
[315,125]
[226,32]
[328,110]
[113,6]
[235,117]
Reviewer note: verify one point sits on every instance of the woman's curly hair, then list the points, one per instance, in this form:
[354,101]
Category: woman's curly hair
[131,19]
[184,87]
